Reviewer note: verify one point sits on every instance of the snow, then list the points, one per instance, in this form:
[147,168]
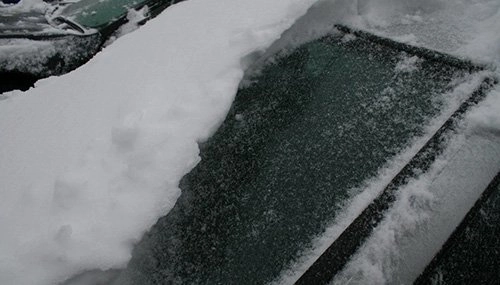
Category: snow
[24,6]
[408,64]
[90,160]
[486,120]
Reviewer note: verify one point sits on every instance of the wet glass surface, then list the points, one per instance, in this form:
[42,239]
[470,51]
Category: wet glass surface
[313,127]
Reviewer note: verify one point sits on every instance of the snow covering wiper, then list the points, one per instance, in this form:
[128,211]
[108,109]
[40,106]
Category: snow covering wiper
[333,259]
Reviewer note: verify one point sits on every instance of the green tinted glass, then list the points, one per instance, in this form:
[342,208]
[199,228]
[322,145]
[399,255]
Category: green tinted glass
[312,128]
[98,13]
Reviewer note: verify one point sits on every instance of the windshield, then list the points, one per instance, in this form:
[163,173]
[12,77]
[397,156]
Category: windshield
[300,141]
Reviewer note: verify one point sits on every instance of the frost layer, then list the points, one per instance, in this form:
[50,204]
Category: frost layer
[91,159]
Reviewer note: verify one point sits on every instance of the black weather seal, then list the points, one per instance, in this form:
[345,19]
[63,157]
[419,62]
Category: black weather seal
[431,55]
[340,251]
[36,37]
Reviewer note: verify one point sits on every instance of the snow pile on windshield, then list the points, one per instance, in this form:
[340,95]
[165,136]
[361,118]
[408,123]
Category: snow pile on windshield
[91,159]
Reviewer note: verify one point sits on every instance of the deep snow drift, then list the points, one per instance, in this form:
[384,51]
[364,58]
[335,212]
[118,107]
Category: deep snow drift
[91,159]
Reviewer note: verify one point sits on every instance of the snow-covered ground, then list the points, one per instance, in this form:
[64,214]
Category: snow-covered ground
[91,159]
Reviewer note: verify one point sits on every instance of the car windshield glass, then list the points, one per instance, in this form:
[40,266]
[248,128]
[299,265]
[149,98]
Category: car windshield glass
[313,127]
[98,13]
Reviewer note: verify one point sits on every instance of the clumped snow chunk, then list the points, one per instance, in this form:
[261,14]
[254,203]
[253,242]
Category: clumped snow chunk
[91,159]
[408,64]
[485,120]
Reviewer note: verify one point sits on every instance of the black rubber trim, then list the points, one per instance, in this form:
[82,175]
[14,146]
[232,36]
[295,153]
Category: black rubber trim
[39,37]
[340,251]
[427,54]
